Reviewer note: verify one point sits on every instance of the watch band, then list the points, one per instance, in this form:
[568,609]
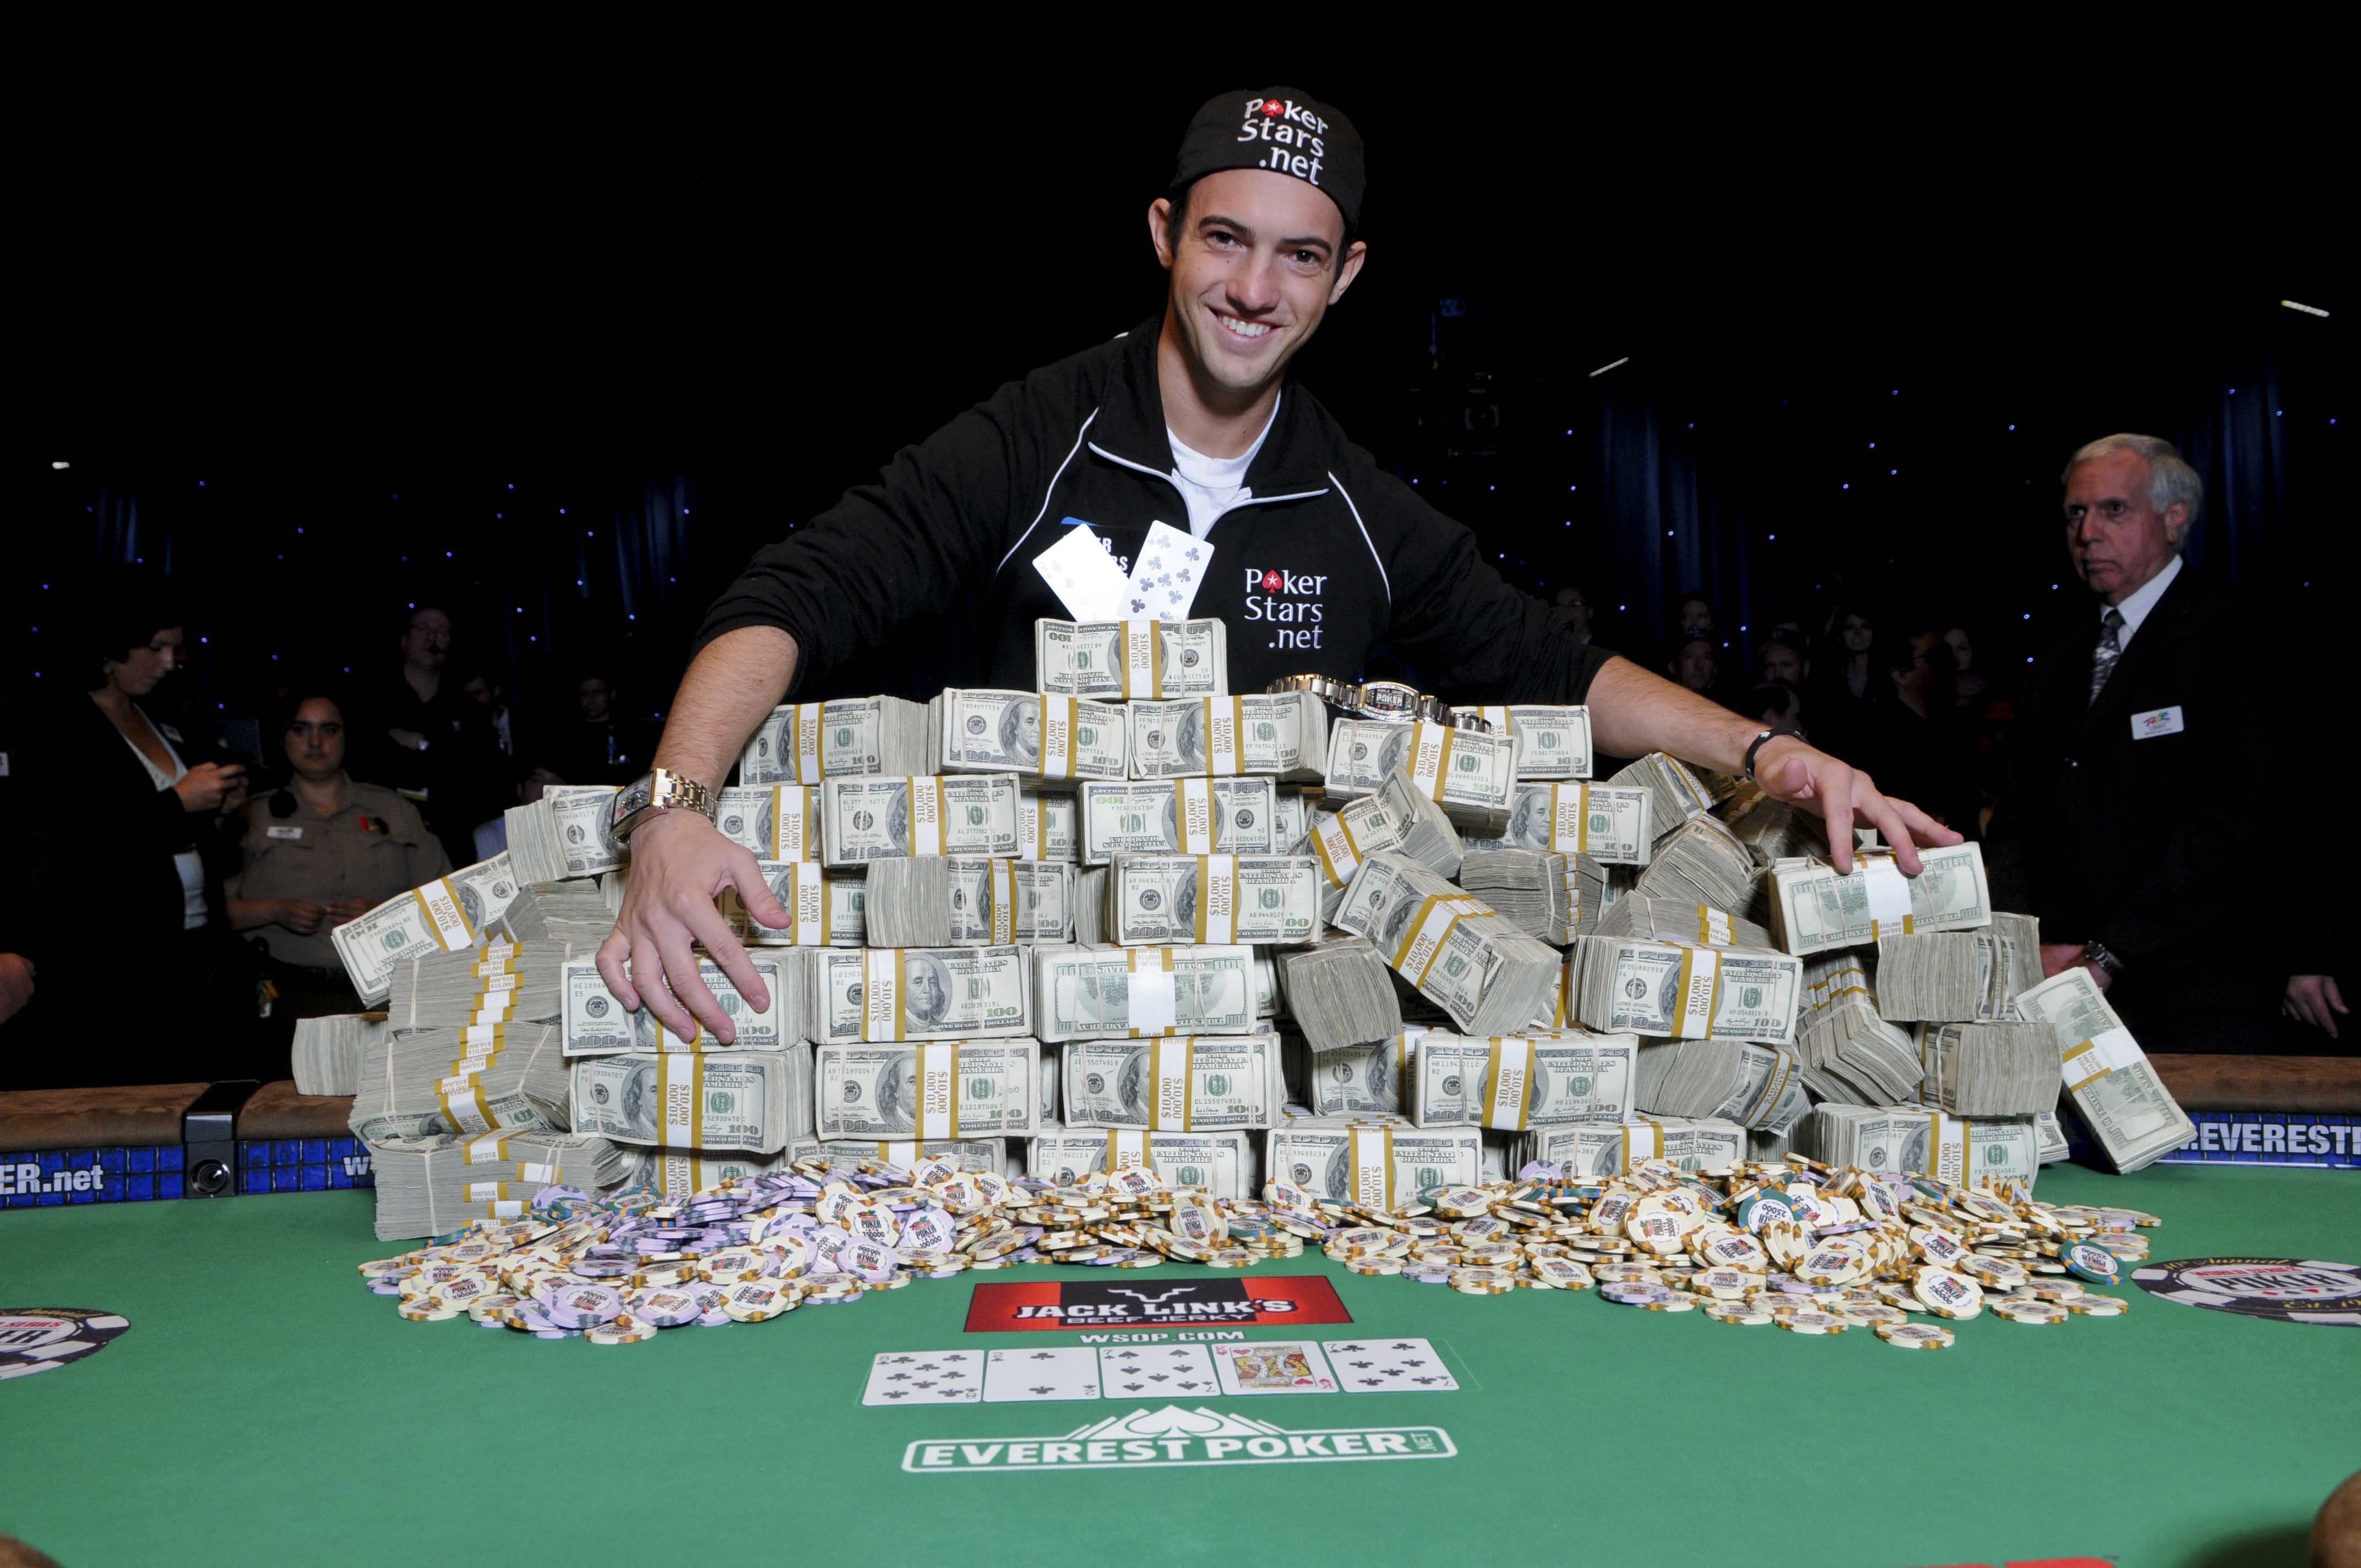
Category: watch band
[1327,688]
[1390,701]
[660,791]
[2097,952]
[1760,741]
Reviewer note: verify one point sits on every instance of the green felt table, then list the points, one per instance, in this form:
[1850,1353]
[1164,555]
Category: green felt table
[265,1408]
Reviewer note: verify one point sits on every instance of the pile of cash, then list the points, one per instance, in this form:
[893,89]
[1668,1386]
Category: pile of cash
[1755,1086]
[1393,816]
[807,742]
[1107,992]
[1683,990]
[1223,1166]
[1813,910]
[1490,977]
[1674,793]
[593,1022]
[1471,775]
[1970,977]
[951,901]
[1989,1069]
[496,1078]
[1606,823]
[432,1185]
[957,1089]
[1701,862]
[1340,994]
[1544,895]
[748,1101]
[1850,1053]
[329,1051]
[1116,661]
[1551,743]
[561,912]
[778,822]
[1182,816]
[1282,735]
[563,834]
[1646,916]
[1176,1084]
[506,982]
[1159,899]
[1371,1079]
[895,817]
[2002,1153]
[2114,1087]
[823,910]
[1588,1149]
[1044,739]
[1522,1081]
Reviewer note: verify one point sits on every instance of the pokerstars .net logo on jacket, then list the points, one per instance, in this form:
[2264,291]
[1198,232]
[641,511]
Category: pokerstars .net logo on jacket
[1289,601]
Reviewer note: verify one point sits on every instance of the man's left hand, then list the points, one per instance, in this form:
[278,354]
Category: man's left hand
[1791,769]
[15,984]
[2057,958]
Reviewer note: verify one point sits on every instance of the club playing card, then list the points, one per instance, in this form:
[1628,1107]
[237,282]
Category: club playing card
[1082,572]
[1164,580]
[1389,1367]
[1169,1371]
[1024,1376]
[925,1377]
[1273,1366]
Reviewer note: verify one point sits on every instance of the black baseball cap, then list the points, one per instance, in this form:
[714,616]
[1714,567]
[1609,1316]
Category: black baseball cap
[1281,130]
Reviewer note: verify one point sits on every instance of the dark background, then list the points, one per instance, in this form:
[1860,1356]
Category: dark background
[557,351]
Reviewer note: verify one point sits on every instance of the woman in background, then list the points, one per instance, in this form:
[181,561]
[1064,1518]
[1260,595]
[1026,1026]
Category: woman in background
[318,851]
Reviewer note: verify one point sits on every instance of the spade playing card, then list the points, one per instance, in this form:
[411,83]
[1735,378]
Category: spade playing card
[1157,1371]
[1273,1366]
[1024,1377]
[1164,579]
[926,1377]
[1389,1367]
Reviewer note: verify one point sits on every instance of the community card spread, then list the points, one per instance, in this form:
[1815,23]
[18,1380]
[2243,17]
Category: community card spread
[1389,1367]
[1083,574]
[1163,581]
[1024,1376]
[1172,1371]
[926,1377]
[1273,1366]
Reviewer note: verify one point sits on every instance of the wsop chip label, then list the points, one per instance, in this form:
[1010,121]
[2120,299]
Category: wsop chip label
[35,1339]
[2288,1289]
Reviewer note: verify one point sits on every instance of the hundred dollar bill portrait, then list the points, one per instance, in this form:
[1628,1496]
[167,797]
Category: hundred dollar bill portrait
[1020,732]
[1393,751]
[926,990]
[897,819]
[640,1099]
[1397,921]
[1188,738]
[1131,1084]
[1528,825]
[897,1096]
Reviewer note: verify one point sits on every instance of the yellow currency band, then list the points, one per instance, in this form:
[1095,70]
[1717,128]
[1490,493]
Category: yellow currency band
[2090,1048]
[1058,739]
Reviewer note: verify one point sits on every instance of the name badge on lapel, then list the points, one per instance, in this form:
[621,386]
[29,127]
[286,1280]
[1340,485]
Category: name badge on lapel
[281,830]
[2156,721]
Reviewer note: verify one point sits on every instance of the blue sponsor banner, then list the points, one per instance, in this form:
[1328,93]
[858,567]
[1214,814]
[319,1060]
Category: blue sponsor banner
[2273,1137]
[54,1178]
[302,1164]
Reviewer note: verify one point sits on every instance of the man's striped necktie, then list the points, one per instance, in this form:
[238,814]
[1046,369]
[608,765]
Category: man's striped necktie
[2109,648]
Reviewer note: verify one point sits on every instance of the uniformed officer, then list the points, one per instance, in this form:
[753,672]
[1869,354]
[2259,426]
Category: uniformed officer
[319,852]
[1310,553]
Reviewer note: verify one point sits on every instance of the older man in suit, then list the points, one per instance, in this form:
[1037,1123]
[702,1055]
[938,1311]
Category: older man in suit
[2147,761]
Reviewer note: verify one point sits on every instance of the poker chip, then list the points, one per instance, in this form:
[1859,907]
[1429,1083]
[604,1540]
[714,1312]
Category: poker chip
[2016,1310]
[1916,1336]
[1811,1322]
[1737,1312]
[2088,1305]
[2092,1262]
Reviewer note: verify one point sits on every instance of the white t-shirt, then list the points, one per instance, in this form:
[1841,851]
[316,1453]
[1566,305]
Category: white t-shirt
[1212,486]
[188,862]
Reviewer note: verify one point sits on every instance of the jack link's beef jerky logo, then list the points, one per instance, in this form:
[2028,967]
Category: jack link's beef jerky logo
[1291,132]
[1289,601]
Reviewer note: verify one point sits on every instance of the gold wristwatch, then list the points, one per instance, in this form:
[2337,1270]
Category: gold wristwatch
[660,791]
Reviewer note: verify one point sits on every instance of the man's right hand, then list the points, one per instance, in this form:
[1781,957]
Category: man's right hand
[299,915]
[680,864]
[207,785]
[15,984]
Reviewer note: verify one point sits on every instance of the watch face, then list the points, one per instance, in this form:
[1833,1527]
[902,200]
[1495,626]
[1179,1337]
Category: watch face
[1388,699]
[626,801]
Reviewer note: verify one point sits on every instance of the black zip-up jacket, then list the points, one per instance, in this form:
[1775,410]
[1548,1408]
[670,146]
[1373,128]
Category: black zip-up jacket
[1328,557]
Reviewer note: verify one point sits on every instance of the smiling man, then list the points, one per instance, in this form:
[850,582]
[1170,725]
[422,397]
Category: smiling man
[1308,551]
[2148,768]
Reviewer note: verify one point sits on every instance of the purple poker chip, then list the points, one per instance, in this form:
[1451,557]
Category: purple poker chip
[579,1306]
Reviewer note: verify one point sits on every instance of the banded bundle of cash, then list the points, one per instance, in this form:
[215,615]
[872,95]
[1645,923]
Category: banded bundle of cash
[329,1050]
[1094,994]
[593,1022]
[1395,817]
[1850,1054]
[1700,1143]
[430,1185]
[1042,739]
[1471,775]
[915,993]
[677,1174]
[484,891]
[1542,894]
[1606,823]
[504,983]
[429,919]
[1272,735]
[970,1155]
[1490,977]
[952,901]
[1371,1078]
[1373,1167]
[1340,994]
[1226,1164]
[865,820]
[559,912]
[1089,906]
[1157,900]
[823,910]
[1520,1082]
[1892,1139]
[778,822]
[1683,992]
[1755,1086]
[1553,743]
[1291,818]
[1674,792]
[1775,829]
[1813,910]
[804,742]
[499,1078]
[748,1100]
[1989,1069]
[952,1089]
[1958,977]
[1180,1082]
[1701,863]
[1674,920]
[1117,661]
[2126,1106]
[563,834]
[1178,817]
[1049,827]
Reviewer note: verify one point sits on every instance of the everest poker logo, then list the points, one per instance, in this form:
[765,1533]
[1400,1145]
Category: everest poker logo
[1173,1438]
[1290,602]
[1292,133]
